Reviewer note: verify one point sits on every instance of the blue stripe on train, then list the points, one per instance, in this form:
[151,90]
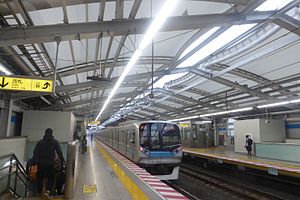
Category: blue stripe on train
[160,154]
[292,126]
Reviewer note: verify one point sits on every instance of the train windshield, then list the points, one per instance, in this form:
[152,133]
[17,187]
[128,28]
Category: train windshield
[159,136]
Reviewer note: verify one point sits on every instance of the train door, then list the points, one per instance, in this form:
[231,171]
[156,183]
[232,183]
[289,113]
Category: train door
[127,143]
[133,142]
[202,136]
[194,139]
[115,139]
[118,140]
[124,141]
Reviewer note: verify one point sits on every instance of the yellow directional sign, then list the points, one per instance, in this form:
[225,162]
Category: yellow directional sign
[94,123]
[27,84]
[184,125]
[89,188]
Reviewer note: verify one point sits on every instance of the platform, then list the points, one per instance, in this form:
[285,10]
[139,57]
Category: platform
[227,155]
[117,178]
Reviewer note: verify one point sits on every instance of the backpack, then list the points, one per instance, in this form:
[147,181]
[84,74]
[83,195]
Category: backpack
[32,171]
[250,141]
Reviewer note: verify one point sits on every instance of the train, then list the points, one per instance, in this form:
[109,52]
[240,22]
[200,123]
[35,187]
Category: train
[153,145]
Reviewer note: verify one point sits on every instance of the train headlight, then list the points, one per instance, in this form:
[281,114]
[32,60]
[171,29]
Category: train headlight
[142,149]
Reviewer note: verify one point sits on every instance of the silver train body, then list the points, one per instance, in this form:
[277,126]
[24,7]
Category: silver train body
[153,145]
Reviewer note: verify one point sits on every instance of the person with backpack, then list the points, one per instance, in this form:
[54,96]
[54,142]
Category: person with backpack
[248,145]
[46,154]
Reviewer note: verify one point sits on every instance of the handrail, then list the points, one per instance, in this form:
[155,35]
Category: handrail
[18,171]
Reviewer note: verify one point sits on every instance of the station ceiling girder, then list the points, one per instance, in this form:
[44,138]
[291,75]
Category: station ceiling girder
[77,31]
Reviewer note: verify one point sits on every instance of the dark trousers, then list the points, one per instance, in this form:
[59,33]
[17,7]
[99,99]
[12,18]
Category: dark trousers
[45,171]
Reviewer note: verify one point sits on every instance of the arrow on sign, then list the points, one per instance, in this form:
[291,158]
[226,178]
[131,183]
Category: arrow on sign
[46,85]
[3,85]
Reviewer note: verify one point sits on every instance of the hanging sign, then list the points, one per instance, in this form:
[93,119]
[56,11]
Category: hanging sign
[25,84]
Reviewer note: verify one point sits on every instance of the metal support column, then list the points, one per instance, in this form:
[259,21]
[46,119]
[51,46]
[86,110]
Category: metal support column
[4,114]
[8,133]
[215,133]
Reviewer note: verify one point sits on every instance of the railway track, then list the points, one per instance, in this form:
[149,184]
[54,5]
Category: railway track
[238,190]
[182,191]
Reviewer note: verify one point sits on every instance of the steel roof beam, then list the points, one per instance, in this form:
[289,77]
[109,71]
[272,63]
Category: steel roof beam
[33,5]
[289,23]
[251,76]
[86,67]
[231,84]
[234,2]
[75,31]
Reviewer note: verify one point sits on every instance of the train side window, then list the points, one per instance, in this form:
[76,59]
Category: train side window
[132,138]
[122,137]
[128,137]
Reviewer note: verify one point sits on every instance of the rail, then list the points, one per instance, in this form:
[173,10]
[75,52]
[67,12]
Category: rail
[236,189]
[13,176]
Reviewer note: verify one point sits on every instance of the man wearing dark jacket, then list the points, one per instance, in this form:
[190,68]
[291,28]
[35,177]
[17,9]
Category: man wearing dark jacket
[43,156]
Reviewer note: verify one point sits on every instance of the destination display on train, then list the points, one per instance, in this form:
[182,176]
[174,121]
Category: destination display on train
[25,84]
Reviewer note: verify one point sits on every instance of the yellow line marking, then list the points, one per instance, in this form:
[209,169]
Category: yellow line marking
[134,191]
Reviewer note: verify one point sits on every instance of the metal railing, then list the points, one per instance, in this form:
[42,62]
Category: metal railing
[13,176]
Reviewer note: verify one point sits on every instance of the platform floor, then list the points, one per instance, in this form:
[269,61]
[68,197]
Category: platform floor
[228,154]
[95,170]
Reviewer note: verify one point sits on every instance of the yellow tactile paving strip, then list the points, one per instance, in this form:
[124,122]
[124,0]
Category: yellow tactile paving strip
[244,160]
[135,192]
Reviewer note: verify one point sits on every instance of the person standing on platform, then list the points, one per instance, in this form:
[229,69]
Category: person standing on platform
[248,145]
[92,136]
[44,155]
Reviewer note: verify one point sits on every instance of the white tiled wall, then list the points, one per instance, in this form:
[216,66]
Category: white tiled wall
[36,122]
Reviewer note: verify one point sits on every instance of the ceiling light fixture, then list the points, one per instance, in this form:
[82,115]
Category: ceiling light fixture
[227,112]
[156,24]
[185,118]
[5,70]
[279,103]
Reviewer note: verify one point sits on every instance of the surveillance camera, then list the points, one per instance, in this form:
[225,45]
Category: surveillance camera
[267,121]
[151,96]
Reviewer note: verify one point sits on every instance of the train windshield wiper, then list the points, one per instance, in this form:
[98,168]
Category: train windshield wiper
[171,146]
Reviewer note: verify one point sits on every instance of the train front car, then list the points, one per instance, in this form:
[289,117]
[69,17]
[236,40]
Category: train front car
[160,149]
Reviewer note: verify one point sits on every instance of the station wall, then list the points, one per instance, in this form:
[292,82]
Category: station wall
[260,131]
[293,130]
[36,122]
[13,145]
[243,128]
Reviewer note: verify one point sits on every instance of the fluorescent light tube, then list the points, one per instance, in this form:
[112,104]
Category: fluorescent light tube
[185,118]
[295,101]
[156,24]
[5,70]
[227,112]
[274,104]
